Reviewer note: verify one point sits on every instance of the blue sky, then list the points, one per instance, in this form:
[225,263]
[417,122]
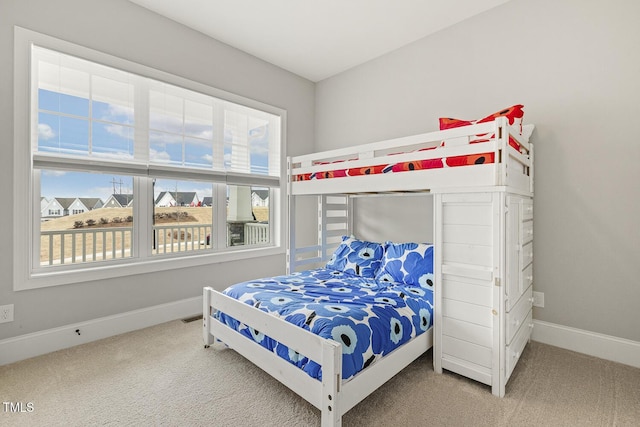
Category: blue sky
[64,127]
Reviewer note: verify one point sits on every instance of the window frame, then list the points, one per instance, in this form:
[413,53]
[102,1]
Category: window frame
[25,276]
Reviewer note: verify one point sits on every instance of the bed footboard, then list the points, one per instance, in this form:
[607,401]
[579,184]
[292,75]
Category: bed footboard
[331,395]
[328,353]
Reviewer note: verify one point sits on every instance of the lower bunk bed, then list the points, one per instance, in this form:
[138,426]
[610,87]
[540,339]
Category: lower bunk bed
[333,335]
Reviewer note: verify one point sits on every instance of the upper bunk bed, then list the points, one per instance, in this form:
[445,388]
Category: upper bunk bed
[479,155]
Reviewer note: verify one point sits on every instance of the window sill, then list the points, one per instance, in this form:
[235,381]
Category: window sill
[155,264]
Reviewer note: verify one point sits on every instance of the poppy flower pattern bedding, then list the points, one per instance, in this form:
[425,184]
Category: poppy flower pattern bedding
[371,298]
[514,115]
[471,159]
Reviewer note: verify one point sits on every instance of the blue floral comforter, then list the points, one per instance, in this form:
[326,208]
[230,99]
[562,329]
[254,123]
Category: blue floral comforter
[369,318]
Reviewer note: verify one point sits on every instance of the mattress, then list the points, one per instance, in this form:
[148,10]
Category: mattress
[368,318]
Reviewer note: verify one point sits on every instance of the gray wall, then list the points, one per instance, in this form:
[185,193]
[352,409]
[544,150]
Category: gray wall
[123,29]
[406,218]
[575,65]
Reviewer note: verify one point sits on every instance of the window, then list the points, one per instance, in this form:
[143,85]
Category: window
[130,165]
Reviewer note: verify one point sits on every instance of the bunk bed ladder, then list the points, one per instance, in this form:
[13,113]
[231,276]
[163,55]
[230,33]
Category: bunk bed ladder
[334,214]
[335,220]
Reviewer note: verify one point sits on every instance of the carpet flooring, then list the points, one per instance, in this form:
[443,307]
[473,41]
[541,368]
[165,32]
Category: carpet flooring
[163,376]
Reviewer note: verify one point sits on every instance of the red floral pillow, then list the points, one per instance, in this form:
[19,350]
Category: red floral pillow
[513,114]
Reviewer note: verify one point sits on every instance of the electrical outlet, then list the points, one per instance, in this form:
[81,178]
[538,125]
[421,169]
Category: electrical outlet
[538,299]
[6,313]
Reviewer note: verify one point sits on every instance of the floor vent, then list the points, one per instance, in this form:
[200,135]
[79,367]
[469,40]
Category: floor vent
[192,319]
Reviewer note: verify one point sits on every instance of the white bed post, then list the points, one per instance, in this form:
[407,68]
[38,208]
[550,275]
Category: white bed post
[502,136]
[331,380]
[531,167]
[322,227]
[291,223]
[206,312]
[349,202]
[498,368]
[291,235]
[437,291]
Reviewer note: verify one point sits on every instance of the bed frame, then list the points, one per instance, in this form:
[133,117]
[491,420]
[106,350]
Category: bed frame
[333,396]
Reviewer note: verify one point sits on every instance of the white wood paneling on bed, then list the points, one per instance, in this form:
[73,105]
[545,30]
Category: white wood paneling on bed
[465,239]
[484,282]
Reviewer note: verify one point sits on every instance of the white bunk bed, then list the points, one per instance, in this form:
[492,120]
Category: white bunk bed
[487,188]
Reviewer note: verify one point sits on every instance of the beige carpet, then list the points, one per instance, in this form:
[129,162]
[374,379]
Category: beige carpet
[163,376]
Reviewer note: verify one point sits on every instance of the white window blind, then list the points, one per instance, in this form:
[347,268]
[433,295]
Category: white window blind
[127,122]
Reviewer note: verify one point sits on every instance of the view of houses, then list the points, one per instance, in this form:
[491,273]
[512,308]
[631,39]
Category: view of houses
[63,206]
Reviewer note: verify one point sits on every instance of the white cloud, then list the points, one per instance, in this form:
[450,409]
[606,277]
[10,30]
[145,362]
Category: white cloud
[120,131]
[45,132]
[165,122]
[203,131]
[121,111]
[164,138]
[118,114]
[159,156]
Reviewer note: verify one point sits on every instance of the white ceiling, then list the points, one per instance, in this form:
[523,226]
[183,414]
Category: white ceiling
[317,39]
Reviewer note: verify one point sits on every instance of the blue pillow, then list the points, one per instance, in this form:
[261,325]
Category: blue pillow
[357,257]
[407,263]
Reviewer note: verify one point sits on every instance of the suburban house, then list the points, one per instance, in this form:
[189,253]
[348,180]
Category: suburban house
[119,201]
[260,198]
[85,204]
[179,198]
[63,206]
[56,207]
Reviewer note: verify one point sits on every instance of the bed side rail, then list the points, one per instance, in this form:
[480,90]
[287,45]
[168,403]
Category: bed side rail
[457,136]
[365,154]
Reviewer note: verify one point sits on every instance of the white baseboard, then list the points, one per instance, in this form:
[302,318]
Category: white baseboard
[591,343]
[42,342]
[35,344]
